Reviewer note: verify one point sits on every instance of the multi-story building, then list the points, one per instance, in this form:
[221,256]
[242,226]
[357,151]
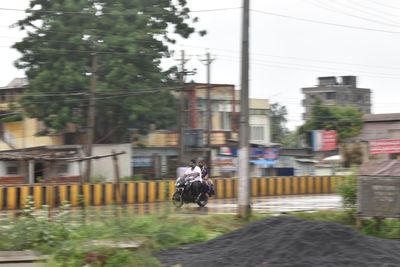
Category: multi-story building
[340,92]
[157,153]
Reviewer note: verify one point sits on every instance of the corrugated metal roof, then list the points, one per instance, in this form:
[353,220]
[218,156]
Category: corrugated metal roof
[381,117]
[378,130]
[380,168]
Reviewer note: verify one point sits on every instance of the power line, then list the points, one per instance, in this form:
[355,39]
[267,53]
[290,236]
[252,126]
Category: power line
[260,62]
[323,22]
[384,5]
[315,68]
[232,51]
[357,5]
[333,9]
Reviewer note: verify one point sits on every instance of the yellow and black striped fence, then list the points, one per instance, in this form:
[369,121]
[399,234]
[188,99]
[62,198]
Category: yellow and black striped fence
[53,195]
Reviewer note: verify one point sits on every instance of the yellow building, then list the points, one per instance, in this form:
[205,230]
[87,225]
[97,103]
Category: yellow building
[21,132]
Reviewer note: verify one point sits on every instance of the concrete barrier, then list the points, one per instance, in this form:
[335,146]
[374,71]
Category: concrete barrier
[53,195]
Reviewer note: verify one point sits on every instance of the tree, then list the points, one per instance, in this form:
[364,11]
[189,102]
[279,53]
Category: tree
[291,139]
[347,121]
[127,38]
[278,122]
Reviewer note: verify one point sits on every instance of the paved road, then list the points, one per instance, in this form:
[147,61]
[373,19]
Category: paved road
[215,206]
[274,204]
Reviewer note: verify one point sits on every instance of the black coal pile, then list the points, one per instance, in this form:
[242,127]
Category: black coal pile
[286,241]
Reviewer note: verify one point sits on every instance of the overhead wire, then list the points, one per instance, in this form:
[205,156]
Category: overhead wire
[379,13]
[335,9]
[323,22]
[337,25]
[384,5]
[314,68]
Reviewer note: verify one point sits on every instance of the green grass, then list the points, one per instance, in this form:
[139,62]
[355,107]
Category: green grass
[66,238]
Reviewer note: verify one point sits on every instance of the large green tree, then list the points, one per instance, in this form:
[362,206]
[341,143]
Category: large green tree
[127,38]
[347,121]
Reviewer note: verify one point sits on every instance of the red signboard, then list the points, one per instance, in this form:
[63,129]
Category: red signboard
[324,140]
[384,146]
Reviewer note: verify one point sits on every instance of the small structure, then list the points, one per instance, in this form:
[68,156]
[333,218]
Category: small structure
[40,164]
[61,164]
[379,189]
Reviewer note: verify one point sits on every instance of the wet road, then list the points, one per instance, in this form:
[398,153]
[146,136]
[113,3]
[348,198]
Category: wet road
[281,204]
[273,204]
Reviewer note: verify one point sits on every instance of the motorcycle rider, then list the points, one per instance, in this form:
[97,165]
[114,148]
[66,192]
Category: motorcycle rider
[193,174]
[208,186]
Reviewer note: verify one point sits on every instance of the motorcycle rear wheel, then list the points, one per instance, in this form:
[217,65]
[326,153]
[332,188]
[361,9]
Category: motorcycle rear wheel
[177,199]
[203,200]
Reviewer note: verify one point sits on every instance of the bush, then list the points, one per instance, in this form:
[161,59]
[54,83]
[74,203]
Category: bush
[347,188]
[98,179]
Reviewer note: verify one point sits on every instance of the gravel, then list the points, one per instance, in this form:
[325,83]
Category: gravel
[287,241]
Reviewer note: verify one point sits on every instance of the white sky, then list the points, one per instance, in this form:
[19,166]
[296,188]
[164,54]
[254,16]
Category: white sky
[286,54]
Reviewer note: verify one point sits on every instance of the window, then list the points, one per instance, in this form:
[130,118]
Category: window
[225,120]
[331,95]
[257,133]
[12,170]
[258,112]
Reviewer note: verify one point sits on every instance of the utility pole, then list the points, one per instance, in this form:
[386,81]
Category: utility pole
[91,115]
[208,62]
[182,113]
[244,208]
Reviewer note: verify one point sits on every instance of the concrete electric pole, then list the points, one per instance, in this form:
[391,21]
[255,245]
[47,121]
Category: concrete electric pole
[244,208]
[182,113]
[91,115]
[208,62]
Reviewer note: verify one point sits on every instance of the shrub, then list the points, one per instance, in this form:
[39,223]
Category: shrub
[347,188]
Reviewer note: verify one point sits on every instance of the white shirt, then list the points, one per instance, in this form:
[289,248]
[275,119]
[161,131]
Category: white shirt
[192,173]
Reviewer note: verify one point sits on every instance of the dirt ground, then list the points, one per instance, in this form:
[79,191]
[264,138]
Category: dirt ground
[286,241]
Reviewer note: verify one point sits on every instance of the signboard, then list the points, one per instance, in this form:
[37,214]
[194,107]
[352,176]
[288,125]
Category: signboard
[324,140]
[266,156]
[226,164]
[228,151]
[379,196]
[142,162]
[384,146]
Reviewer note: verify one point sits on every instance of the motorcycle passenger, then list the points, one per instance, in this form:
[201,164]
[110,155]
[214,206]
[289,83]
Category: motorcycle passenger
[208,186]
[193,174]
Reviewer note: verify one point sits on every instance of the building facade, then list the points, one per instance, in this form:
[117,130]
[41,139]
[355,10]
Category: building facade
[342,91]
[16,130]
[156,154]
[379,138]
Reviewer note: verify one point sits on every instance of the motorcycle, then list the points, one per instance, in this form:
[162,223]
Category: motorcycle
[183,194]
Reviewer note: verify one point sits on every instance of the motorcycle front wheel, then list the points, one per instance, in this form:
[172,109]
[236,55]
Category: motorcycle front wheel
[177,199]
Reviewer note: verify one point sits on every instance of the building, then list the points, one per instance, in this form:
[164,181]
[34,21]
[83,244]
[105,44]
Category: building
[339,92]
[379,138]
[156,154]
[63,164]
[26,156]
[17,131]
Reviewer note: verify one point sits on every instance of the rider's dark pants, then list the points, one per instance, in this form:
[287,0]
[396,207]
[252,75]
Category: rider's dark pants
[196,188]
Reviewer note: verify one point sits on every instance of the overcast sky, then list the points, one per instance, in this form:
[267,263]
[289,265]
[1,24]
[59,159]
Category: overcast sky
[292,42]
